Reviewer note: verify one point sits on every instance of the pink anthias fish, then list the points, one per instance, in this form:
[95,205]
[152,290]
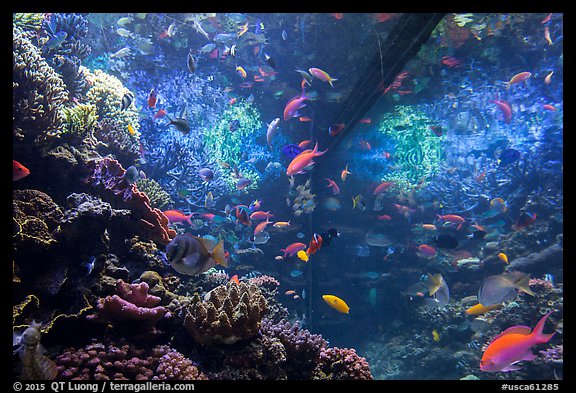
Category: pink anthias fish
[332,184]
[294,105]
[506,110]
[513,345]
[293,249]
[322,75]
[177,217]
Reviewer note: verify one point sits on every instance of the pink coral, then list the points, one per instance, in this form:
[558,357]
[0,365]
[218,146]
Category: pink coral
[131,303]
[109,173]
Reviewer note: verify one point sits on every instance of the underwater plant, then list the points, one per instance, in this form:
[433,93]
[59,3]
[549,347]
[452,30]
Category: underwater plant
[79,119]
[417,151]
[158,197]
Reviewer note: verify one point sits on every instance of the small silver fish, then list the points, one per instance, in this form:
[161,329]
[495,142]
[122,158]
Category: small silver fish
[131,175]
[191,62]
[121,53]
[90,265]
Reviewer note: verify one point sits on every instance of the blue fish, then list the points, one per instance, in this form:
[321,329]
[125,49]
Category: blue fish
[57,40]
[508,156]
[292,151]
[296,273]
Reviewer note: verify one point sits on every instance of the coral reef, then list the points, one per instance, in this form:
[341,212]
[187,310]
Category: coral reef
[36,221]
[131,303]
[158,197]
[124,361]
[79,120]
[38,94]
[109,175]
[416,150]
[227,314]
[302,348]
[342,364]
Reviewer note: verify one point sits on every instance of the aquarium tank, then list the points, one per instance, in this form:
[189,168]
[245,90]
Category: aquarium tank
[287,196]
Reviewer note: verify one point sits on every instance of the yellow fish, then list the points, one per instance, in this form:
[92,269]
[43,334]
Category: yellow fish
[131,130]
[357,201]
[241,71]
[336,303]
[503,257]
[243,29]
[435,335]
[281,224]
[480,309]
[302,255]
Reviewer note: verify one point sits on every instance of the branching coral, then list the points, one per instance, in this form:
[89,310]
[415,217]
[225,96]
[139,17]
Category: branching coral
[341,364]
[79,120]
[228,313]
[417,151]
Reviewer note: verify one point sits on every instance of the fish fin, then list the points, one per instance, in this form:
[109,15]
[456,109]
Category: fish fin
[524,285]
[332,80]
[537,333]
[188,219]
[524,330]
[528,356]
[510,367]
[219,254]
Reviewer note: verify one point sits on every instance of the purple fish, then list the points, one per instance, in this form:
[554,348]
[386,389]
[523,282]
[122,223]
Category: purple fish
[292,151]
[206,174]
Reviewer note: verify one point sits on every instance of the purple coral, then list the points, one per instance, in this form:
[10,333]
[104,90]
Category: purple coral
[98,361]
[302,348]
[342,363]
[132,302]
[264,281]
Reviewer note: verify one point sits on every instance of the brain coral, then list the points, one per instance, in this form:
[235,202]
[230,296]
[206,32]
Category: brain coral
[227,314]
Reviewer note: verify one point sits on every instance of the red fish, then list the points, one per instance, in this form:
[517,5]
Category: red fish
[293,249]
[152,98]
[176,217]
[451,62]
[382,17]
[338,16]
[547,18]
[304,118]
[235,279]
[232,101]
[302,160]
[160,114]
[506,110]
[315,244]
[332,184]
[512,346]
[427,251]
[549,107]
[366,120]
[19,171]
[305,143]
[365,145]
[525,219]
[242,215]
[384,186]
[384,217]
[294,105]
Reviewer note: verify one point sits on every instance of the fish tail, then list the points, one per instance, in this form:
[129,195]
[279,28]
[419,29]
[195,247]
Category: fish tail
[537,334]
[332,80]
[219,254]
[188,219]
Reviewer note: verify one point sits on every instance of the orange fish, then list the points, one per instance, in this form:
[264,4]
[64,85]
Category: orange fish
[512,346]
[19,171]
[384,217]
[427,251]
[305,118]
[160,114]
[260,227]
[521,77]
[366,120]
[548,78]
[429,227]
[338,16]
[384,186]
[260,215]
[480,309]
[290,292]
[315,244]
[234,278]
[305,143]
[344,174]
[547,36]
[177,217]
[303,160]
[549,108]
[547,18]
[453,218]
